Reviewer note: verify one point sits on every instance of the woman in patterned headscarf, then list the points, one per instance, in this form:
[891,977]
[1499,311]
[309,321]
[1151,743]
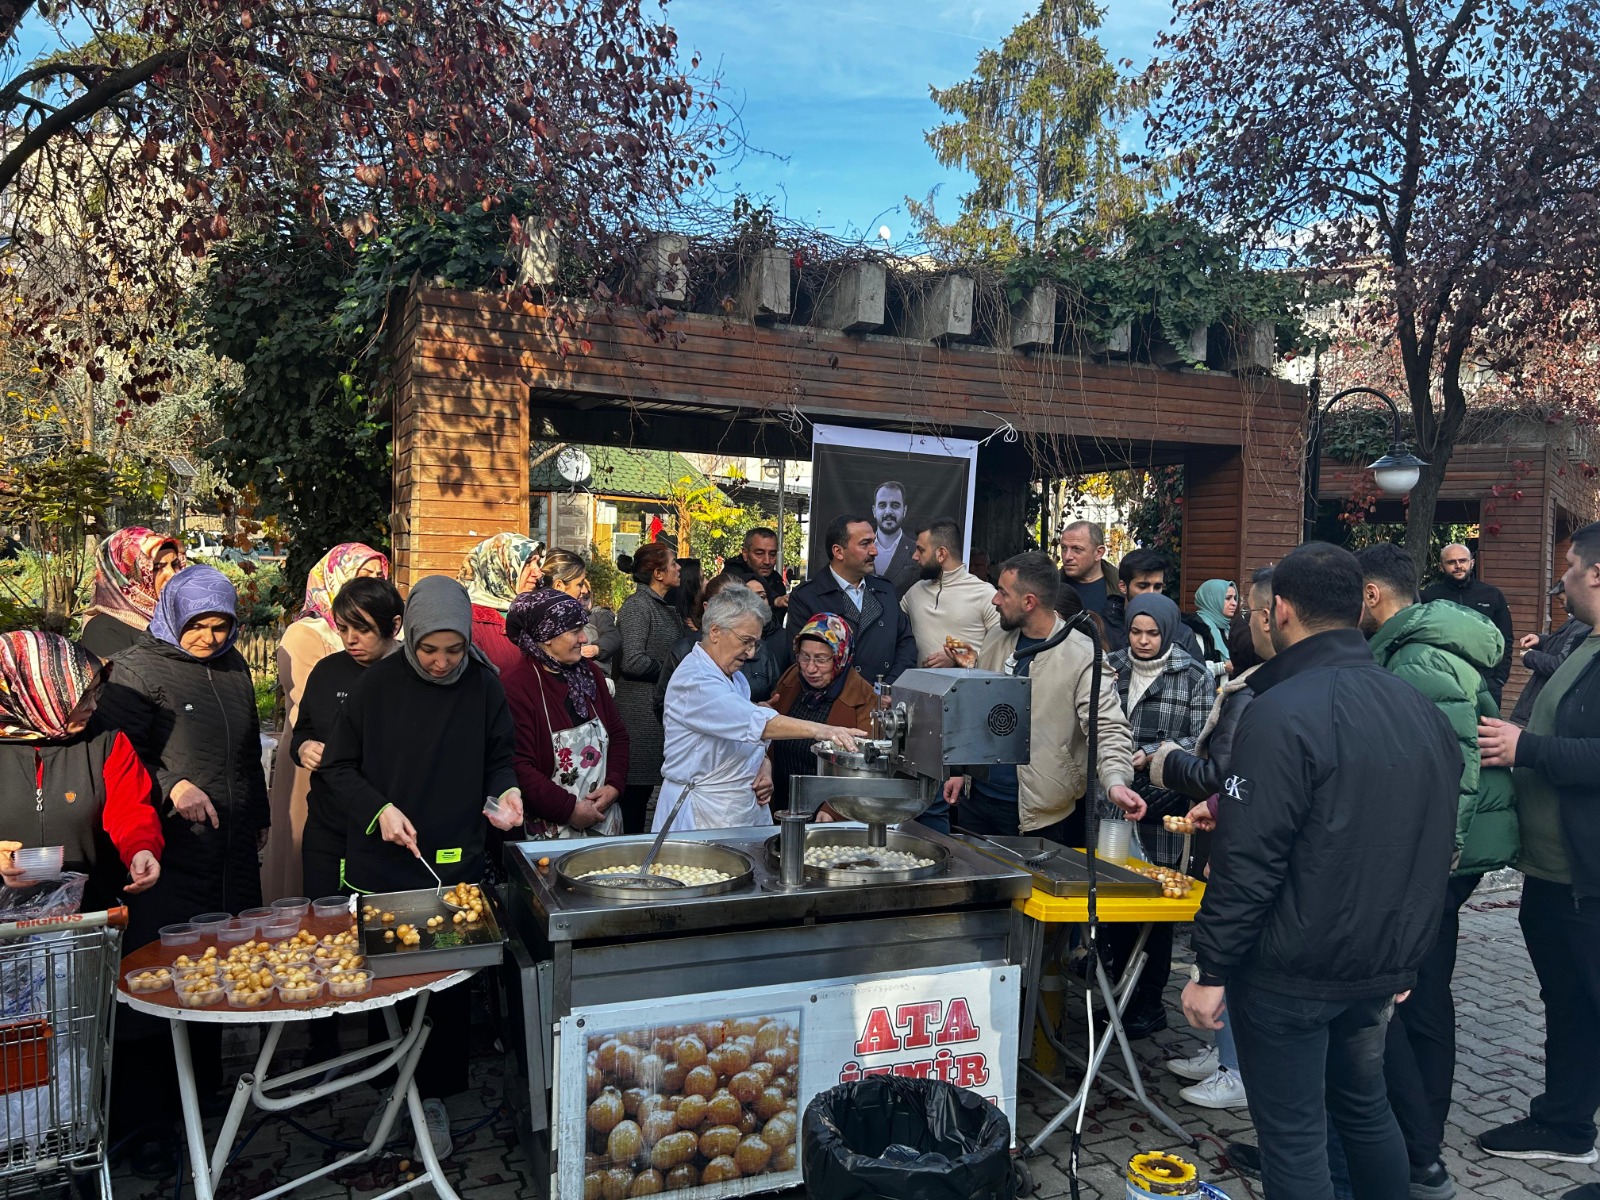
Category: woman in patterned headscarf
[496,571]
[131,567]
[305,643]
[62,785]
[572,745]
[821,685]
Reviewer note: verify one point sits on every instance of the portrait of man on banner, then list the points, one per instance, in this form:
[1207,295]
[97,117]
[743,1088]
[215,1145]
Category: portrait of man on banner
[899,482]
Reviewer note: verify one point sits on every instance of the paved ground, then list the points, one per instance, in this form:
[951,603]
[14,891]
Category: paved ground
[1500,1066]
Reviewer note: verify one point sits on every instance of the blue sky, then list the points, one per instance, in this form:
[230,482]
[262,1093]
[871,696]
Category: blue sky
[839,90]
[833,94]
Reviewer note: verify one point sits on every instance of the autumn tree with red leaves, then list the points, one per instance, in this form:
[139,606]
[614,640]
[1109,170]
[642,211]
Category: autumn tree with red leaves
[171,125]
[1451,145]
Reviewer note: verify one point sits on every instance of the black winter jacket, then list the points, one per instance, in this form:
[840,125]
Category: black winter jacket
[1199,773]
[1569,759]
[196,720]
[884,644]
[1489,600]
[1543,660]
[1338,819]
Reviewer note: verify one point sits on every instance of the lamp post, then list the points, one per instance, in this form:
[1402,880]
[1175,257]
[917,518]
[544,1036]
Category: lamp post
[1396,473]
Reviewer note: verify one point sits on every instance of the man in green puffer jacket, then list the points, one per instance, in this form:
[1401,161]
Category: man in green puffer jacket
[1443,650]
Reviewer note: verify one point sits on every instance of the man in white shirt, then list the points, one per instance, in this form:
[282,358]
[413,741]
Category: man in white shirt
[948,601]
[894,559]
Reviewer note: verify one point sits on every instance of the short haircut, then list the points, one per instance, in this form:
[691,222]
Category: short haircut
[759,531]
[838,533]
[942,531]
[890,483]
[369,605]
[1141,562]
[1036,575]
[731,605]
[1097,533]
[1261,577]
[1586,544]
[1323,583]
[1392,568]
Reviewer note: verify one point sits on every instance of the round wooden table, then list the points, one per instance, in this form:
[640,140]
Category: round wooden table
[400,1053]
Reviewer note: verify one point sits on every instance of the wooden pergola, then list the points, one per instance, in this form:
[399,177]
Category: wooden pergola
[478,376]
[1527,496]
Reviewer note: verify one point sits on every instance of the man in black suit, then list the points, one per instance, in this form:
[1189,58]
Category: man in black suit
[894,545]
[884,643]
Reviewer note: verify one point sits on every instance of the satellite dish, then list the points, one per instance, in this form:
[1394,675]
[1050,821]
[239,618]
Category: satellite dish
[573,465]
[883,233]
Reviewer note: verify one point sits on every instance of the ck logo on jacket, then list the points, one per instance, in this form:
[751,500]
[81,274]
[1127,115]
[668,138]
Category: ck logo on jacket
[1236,787]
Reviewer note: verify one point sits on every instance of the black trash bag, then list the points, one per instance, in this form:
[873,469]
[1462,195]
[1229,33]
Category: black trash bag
[890,1138]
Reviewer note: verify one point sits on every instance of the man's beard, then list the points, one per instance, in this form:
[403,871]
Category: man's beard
[1010,623]
[888,525]
[931,571]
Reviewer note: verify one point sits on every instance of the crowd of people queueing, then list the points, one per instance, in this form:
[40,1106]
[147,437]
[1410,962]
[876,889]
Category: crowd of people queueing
[1337,732]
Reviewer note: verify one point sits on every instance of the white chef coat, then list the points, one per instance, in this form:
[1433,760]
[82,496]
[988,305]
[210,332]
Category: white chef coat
[714,748]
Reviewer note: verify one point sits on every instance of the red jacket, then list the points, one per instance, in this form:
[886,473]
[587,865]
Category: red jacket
[489,635]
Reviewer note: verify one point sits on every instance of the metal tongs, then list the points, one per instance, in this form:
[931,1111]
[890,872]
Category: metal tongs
[438,884]
[644,878]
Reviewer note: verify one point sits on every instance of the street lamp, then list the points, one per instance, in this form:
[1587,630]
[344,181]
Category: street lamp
[1396,473]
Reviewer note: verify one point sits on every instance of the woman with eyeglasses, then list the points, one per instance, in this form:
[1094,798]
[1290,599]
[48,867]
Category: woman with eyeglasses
[821,685]
[716,737]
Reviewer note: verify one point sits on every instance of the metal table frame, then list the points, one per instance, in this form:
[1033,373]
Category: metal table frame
[1051,918]
[400,1052]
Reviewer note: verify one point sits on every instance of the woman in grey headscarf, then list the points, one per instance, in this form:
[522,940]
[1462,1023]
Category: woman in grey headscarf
[420,744]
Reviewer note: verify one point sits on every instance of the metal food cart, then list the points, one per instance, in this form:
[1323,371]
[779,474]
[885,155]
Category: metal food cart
[680,1034]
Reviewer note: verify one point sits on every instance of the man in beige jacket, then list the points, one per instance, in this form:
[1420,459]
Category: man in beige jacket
[1038,796]
[948,601]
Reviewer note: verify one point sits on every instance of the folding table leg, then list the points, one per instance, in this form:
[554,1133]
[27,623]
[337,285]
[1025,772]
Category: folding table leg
[189,1102]
[406,1084]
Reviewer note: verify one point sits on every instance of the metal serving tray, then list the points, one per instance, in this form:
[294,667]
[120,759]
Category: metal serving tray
[1066,872]
[451,947]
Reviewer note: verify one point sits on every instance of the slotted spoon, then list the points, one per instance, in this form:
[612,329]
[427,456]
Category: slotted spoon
[644,879]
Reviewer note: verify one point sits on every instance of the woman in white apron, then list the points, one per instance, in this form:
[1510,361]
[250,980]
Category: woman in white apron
[571,744]
[716,738]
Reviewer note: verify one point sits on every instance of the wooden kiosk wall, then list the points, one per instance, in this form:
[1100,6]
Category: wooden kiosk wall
[477,376]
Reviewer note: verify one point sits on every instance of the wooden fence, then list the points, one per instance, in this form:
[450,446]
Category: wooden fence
[259,645]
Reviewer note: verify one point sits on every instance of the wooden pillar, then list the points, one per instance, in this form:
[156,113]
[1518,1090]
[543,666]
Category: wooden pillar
[1213,517]
[460,453]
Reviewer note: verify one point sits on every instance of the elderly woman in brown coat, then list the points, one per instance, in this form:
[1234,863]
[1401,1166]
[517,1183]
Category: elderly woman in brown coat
[821,685]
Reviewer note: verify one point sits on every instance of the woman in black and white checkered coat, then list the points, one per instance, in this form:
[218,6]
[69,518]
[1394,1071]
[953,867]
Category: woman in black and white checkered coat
[1167,695]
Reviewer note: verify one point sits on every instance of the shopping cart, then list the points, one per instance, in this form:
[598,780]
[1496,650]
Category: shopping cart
[58,978]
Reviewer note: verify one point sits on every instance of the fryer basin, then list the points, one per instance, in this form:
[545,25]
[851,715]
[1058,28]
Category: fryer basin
[597,856]
[823,835]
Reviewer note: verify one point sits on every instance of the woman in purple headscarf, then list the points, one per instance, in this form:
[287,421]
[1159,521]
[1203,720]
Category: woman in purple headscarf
[572,745]
[184,697]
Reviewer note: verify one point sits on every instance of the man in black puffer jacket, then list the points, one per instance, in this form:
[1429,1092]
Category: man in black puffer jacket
[1327,881]
[1462,586]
